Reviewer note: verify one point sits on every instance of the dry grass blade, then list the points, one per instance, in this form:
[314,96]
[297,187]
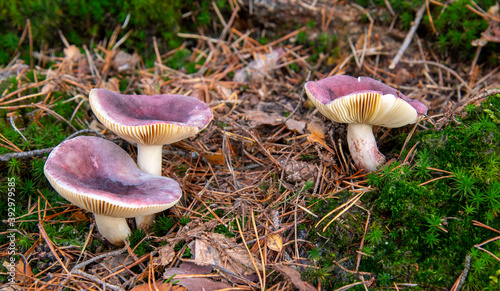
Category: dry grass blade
[480,224]
[346,207]
[347,287]
[261,280]
[56,115]
[262,258]
[430,16]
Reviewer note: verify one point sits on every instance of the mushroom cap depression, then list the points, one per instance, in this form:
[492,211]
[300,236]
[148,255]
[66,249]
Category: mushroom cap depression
[347,99]
[99,176]
[150,120]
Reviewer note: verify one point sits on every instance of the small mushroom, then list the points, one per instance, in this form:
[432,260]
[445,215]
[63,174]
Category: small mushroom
[362,103]
[150,122]
[99,176]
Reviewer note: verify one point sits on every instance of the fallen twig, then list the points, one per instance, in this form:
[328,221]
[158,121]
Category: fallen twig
[97,280]
[40,152]
[461,279]
[409,37]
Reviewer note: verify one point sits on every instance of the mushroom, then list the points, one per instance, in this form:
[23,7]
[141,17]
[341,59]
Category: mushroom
[99,176]
[150,122]
[362,103]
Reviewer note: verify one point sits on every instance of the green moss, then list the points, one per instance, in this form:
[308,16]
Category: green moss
[36,131]
[80,21]
[294,67]
[456,26]
[422,229]
[139,242]
[334,243]
[184,220]
[228,231]
[163,225]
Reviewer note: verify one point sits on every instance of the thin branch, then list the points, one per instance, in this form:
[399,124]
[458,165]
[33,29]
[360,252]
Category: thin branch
[40,152]
[97,280]
[409,37]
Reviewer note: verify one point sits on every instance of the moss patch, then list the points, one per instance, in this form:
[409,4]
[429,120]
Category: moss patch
[422,213]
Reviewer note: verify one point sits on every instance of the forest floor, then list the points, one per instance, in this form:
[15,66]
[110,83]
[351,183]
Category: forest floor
[258,181]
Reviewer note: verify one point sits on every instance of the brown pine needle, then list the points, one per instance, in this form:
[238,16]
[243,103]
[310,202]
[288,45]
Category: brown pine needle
[430,16]
[262,259]
[44,235]
[480,224]
[251,256]
[10,145]
[435,179]
[439,170]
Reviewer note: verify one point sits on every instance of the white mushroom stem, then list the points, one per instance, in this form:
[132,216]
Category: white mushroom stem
[115,230]
[363,147]
[149,159]
[145,221]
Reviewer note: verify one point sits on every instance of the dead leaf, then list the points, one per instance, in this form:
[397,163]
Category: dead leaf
[296,125]
[224,92]
[257,69]
[72,53]
[194,283]
[215,159]
[317,133]
[195,229]
[293,276]
[167,255]
[124,62]
[21,276]
[492,33]
[275,242]
[79,215]
[50,85]
[11,267]
[257,118]
[110,263]
[113,84]
[217,250]
[159,287]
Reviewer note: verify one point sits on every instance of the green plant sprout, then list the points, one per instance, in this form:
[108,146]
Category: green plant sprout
[492,115]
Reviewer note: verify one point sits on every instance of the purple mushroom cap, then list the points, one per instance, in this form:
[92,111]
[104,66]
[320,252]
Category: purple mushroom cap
[151,120]
[99,176]
[362,103]
[332,88]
